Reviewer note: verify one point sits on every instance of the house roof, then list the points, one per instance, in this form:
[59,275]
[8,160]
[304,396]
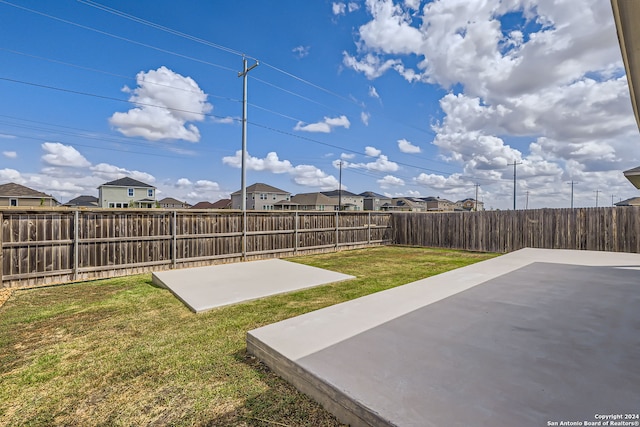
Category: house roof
[634,201]
[126,182]
[83,201]
[633,175]
[12,189]
[336,193]
[172,201]
[371,194]
[203,205]
[222,204]
[626,14]
[313,199]
[261,188]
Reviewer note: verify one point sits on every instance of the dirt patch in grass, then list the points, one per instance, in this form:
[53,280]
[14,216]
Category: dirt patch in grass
[5,294]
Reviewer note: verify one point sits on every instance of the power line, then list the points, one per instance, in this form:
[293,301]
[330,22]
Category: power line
[221,117]
[85,27]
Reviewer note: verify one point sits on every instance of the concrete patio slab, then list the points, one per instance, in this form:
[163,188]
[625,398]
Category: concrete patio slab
[205,288]
[529,339]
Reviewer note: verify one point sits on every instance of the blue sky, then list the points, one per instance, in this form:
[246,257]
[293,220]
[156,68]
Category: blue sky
[414,98]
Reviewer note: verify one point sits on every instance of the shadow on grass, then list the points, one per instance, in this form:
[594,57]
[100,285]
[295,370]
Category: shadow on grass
[280,405]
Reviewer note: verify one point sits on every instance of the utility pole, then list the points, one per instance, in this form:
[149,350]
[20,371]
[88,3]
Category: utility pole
[243,74]
[340,189]
[526,206]
[514,181]
[597,192]
[476,206]
[612,196]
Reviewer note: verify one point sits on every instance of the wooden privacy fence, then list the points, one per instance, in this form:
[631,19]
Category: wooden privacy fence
[597,229]
[41,247]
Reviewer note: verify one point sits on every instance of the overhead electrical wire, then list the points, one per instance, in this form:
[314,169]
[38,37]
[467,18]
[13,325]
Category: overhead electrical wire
[345,149]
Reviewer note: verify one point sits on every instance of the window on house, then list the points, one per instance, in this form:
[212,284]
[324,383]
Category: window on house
[13,202]
[150,193]
[125,205]
[112,205]
[274,197]
[263,197]
[118,205]
[130,192]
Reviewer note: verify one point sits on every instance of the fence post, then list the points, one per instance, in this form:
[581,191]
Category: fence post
[1,251]
[295,232]
[369,229]
[76,234]
[174,240]
[337,228]
[244,235]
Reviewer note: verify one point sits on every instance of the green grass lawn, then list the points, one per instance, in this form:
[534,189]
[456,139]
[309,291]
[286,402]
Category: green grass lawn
[123,352]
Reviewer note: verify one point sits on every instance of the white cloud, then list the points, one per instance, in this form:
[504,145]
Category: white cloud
[381,164]
[5,136]
[551,93]
[307,175]
[166,102]
[338,8]
[407,147]
[353,6]
[183,182]
[371,65]
[347,156]
[301,51]
[63,155]
[204,184]
[10,154]
[325,126]
[108,172]
[10,175]
[372,151]
[226,120]
[373,92]
[390,181]
[364,116]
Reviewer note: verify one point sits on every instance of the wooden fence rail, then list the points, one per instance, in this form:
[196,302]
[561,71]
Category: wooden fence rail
[41,247]
[597,229]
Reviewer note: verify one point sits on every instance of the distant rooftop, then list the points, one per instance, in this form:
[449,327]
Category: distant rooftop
[127,182]
[12,189]
[261,188]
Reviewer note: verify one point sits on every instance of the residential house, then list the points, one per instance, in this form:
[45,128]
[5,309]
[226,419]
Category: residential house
[260,197]
[374,201]
[634,201]
[437,204]
[348,201]
[633,175]
[171,203]
[405,204]
[83,201]
[222,204]
[203,205]
[12,194]
[314,202]
[126,192]
[469,204]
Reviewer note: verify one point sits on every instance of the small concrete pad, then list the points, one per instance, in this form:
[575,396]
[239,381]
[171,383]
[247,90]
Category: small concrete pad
[204,288]
[531,338]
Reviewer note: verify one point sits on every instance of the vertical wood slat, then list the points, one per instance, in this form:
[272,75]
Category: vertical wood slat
[76,234]
[174,239]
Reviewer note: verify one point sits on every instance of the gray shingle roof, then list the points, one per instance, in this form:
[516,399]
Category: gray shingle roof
[313,199]
[261,188]
[83,201]
[12,189]
[336,193]
[127,182]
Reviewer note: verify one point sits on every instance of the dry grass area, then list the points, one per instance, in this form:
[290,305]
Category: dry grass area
[121,352]
[5,294]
